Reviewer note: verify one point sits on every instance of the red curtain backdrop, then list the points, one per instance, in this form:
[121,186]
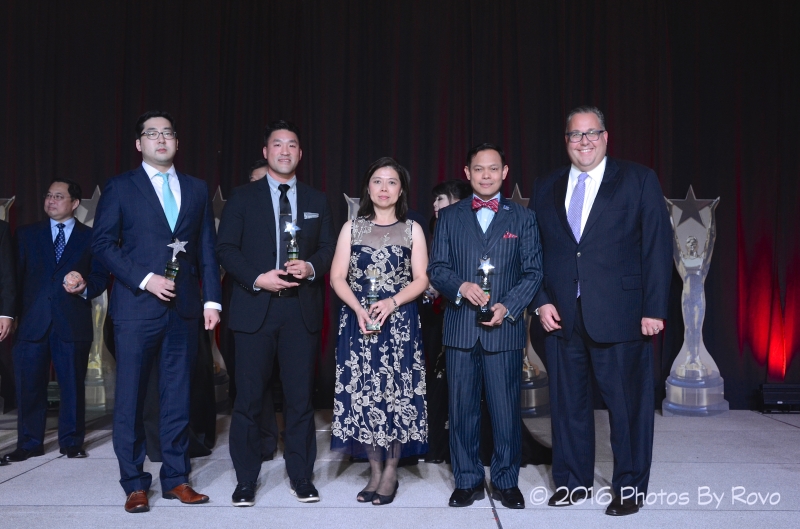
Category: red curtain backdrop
[705,93]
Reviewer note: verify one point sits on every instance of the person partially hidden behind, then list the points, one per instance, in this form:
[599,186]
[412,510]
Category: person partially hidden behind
[58,278]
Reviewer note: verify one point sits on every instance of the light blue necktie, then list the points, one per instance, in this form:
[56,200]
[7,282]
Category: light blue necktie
[575,211]
[170,206]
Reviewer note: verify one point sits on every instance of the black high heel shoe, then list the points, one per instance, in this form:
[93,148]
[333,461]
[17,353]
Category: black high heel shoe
[385,500]
[365,496]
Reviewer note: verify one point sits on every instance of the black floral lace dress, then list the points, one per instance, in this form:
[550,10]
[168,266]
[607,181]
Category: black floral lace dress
[379,406]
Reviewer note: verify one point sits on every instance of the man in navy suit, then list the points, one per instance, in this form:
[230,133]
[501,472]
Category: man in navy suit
[140,214]
[606,241]
[57,280]
[485,355]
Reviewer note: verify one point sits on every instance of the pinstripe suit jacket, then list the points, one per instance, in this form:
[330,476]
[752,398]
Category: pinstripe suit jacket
[512,244]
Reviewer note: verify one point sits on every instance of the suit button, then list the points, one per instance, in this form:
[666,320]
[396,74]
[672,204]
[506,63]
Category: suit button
[579,254]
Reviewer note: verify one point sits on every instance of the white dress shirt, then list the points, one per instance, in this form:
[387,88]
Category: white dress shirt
[485,215]
[590,193]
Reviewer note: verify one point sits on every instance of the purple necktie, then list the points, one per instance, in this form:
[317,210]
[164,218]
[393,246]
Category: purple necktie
[575,211]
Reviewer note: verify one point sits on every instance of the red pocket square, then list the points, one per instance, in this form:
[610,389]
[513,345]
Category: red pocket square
[509,235]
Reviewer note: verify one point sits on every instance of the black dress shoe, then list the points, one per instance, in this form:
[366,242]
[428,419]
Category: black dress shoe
[20,454]
[267,457]
[304,490]
[245,494]
[3,462]
[465,497]
[73,452]
[385,500]
[511,498]
[564,497]
[622,507]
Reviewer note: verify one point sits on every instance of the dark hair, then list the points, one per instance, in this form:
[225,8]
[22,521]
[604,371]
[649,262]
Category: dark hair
[366,209]
[455,189]
[153,114]
[485,147]
[261,162]
[586,109]
[73,188]
[280,125]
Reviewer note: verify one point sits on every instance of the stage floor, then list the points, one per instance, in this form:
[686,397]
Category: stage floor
[749,461]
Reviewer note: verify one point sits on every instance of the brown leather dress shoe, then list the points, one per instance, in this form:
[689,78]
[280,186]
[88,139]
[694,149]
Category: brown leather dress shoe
[186,494]
[137,502]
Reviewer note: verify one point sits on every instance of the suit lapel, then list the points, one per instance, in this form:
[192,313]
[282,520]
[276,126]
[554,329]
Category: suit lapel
[497,228]
[186,199]
[47,244]
[604,194]
[73,242]
[142,181]
[469,220]
[302,207]
[560,195]
[269,213]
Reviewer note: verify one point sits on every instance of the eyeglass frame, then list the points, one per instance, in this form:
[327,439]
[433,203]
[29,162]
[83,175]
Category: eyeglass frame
[569,135]
[57,198]
[160,132]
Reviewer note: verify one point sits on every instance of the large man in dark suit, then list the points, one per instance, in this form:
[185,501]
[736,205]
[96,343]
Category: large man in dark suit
[144,218]
[276,308]
[606,242]
[485,355]
[57,280]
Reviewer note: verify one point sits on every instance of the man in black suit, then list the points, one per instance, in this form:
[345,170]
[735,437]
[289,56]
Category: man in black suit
[276,310]
[57,280]
[146,217]
[487,230]
[606,242]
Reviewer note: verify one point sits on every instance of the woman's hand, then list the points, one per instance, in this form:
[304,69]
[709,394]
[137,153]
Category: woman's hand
[380,310]
[363,320]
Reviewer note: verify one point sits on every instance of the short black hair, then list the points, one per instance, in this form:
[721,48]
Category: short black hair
[280,125]
[586,109]
[261,162]
[485,147]
[454,189]
[73,188]
[366,208]
[153,114]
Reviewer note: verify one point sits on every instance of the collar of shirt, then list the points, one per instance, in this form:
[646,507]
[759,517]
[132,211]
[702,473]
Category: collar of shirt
[174,183]
[485,215]
[273,184]
[590,191]
[68,225]
[152,171]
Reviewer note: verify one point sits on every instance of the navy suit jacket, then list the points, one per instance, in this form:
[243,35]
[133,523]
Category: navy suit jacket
[43,298]
[8,287]
[247,249]
[512,244]
[131,234]
[624,258]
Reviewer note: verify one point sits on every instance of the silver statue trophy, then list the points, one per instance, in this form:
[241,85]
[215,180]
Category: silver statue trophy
[292,250]
[172,268]
[485,313]
[694,386]
[373,274]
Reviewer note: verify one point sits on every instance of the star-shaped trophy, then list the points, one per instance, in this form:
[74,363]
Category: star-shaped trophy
[5,205]
[516,197]
[171,270]
[484,312]
[690,208]
[292,250]
[352,207]
[218,203]
[85,210]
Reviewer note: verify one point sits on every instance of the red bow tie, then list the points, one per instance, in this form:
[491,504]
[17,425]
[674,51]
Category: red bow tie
[478,204]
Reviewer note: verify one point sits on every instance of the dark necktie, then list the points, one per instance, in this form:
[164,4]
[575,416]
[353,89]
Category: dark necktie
[60,242]
[284,217]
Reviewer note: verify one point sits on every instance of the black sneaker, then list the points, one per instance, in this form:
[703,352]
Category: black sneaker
[245,494]
[304,490]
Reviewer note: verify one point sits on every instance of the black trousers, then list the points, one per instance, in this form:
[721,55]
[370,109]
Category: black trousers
[283,334]
[624,374]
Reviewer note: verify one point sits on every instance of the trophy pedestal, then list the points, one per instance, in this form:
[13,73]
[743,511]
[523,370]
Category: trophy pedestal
[95,395]
[695,397]
[53,394]
[535,397]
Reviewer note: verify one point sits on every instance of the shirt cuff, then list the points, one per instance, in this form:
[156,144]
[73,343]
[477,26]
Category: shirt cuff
[255,288]
[313,272]
[145,280]
[84,293]
[212,305]
[8,317]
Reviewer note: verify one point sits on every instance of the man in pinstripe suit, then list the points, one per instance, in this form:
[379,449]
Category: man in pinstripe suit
[485,355]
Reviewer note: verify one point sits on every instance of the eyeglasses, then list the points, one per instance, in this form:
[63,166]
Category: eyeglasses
[153,134]
[577,137]
[57,198]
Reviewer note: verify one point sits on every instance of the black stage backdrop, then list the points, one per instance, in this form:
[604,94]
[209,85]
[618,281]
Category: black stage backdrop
[705,93]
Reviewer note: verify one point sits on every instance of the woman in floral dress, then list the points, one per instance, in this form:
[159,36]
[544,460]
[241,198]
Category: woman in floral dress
[379,404]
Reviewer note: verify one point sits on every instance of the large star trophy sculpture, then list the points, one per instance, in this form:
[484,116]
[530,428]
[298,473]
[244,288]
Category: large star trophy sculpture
[5,205]
[535,398]
[694,386]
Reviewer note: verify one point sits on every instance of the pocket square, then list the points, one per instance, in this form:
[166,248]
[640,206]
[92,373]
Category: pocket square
[509,235]
[308,215]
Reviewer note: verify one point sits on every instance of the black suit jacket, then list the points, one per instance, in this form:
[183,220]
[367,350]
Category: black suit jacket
[8,289]
[512,244]
[131,234]
[44,302]
[246,248]
[624,258]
